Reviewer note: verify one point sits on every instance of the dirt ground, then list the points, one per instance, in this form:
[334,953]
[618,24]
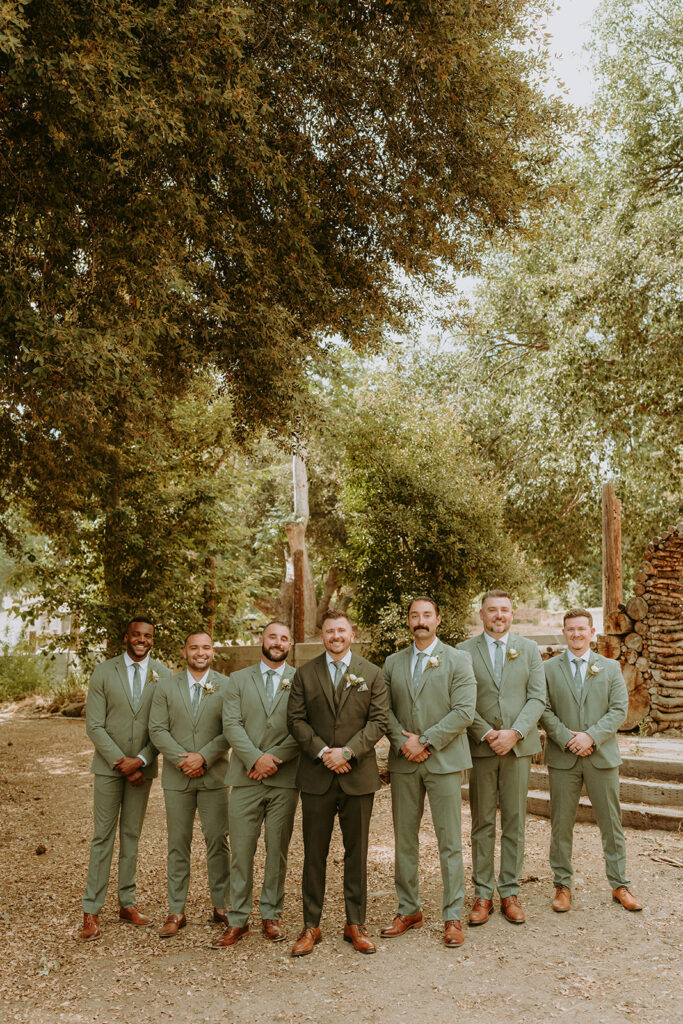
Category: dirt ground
[597,962]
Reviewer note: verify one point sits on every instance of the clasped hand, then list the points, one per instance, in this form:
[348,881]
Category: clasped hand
[412,749]
[334,759]
[501,741]
[581,743]
[130,767]
[263,767]
[191,765]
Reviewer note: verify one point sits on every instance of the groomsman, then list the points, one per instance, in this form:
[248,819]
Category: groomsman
[503,737]
[262,776]
[186,725]
[338,710]
[432,693]
[125,762]
[587,702]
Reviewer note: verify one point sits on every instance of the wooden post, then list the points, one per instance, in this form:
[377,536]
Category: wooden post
[612,590]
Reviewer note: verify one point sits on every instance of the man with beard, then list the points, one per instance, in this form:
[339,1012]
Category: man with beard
[125,762]
[186,725]
[432,694]
[262,777]
[337,712]
[503,737]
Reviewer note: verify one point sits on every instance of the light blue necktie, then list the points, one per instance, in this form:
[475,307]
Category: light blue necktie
[499,661]
[196,697]
[417,671]
[578,678]
[137,687]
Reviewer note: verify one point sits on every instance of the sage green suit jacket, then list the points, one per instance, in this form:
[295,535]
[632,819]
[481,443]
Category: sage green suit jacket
[600,711]
[360,721]
[174,731]
[252,729]
[520,701]
[442,708]
[116,729]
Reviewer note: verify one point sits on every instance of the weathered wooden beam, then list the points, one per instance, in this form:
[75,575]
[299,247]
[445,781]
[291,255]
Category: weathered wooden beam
[612,588]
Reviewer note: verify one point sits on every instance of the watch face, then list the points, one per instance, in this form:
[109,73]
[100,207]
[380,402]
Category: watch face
[347,753]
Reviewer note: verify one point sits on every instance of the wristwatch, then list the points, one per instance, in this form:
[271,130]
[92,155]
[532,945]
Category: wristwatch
[347,754]
[424,740]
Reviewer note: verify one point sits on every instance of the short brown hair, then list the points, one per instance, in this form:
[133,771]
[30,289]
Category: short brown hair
[338,613]
[577,613]
[275,622]
[496,593]
[197,632]
[423,597]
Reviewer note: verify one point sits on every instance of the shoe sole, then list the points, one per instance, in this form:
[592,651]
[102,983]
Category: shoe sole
[170,935]
[512,920]
[633,910]
[473,924]
[305,952]
[227,945]
[397,935]
[347,938]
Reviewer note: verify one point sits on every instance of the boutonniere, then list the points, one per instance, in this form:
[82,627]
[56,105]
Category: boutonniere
[593,669]
[154,676]
[207,687]
[433,662]
[512,654]
[357,682]
[284,683]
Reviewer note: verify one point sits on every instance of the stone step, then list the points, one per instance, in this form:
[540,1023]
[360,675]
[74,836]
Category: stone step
[667,819]
[631,791]
[642,767]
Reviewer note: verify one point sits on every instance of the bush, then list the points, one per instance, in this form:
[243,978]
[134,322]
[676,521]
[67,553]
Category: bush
[22,674]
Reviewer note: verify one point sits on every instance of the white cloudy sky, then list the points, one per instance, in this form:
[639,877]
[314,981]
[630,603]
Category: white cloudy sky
[570,29]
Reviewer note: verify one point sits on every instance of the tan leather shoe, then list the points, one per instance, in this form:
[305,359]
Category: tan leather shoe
[628,901]
[563,899]
[91,927]
[133,916]
[272,930]
[480,911]
[232,934]
[356,934]
[309,938]
[172,925]
[401,924]
[220,916]
[511,907]
[453,935]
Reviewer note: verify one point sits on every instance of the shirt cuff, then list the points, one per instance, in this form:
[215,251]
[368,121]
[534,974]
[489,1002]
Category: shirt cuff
[142,758]
[322,752]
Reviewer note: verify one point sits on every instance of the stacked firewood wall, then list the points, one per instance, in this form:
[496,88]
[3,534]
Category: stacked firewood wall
[646,636]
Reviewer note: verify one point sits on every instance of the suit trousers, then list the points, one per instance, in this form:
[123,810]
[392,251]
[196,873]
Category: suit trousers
[408,792]
[181,806]
[250,807]
[319,811]
[493,779]
[115,802]
[602,786]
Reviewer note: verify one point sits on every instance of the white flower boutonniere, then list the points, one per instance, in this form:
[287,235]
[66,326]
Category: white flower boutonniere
[512,654]
[284,683]
[433,662]
[154,676]
[357,682]
[207,687]
[593,669]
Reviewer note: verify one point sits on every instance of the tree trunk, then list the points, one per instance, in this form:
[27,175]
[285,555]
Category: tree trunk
[304,599]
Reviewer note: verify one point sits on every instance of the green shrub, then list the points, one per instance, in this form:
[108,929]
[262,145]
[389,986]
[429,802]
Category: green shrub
[22,674]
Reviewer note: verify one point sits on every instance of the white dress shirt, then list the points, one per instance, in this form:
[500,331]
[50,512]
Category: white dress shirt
[427,651]
[277,675]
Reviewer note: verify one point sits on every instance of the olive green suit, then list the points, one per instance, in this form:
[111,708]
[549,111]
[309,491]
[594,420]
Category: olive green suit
[517,704]
[441,707]
[175,731]
[252,728]
[357,716]
[599,711]
[117,729]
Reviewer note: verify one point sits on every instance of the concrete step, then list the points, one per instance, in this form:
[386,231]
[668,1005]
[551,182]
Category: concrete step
[631,791]
[669,819]
[643,767]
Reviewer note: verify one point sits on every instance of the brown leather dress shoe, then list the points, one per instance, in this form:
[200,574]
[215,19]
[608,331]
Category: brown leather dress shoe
[172,925]
[91,927]
[512,909]
[357,934]
[563,899]
[272,930]
[220,916]
[453,935]
[401,924]
[480,911]
[133,916]
[628,901]
[232,934]
[309,938]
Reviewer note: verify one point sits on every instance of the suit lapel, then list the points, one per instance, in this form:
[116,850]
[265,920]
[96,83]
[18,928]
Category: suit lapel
[258,683]
[483,652]
[566,667]
[287,674]
[354,669]
[588,678]
[325,681]
[426,669]
[122,672]
[184,693]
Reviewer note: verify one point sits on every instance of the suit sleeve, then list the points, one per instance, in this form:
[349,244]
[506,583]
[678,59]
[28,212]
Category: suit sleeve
[297,721]
[160,729]
[535,695]
[96,717]
[462,689]
[287,749]
[479,727]
[363,742]
[234,730]
[556,730]
[395,730]
[616,711]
